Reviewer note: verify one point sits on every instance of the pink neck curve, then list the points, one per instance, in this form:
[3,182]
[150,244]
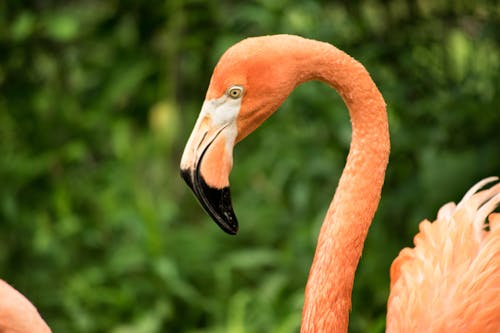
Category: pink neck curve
[340,243]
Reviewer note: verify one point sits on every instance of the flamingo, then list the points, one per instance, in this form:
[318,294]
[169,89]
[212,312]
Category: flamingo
[17,314]
[450,280]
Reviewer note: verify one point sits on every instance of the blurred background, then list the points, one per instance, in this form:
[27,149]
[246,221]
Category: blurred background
[97,99]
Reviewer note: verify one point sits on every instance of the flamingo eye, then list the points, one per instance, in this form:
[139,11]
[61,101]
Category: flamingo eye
[235,92]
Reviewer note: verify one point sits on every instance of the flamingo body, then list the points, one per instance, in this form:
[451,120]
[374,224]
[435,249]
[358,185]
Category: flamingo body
[448,283]
[17,314]
[450,280]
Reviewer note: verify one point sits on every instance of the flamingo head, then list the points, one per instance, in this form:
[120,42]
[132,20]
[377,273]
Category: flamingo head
[250,81]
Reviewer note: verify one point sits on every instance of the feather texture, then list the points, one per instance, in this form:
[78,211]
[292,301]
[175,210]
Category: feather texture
[450,280]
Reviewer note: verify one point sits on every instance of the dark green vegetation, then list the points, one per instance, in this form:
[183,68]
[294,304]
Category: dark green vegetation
[97,99]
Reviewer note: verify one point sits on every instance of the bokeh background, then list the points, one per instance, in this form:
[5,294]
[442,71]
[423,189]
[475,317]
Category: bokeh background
[97,99]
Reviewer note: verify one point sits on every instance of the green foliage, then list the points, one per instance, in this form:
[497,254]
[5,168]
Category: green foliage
[97,99]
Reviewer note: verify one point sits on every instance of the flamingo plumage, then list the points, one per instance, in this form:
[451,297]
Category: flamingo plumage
[450,280]
[17,313]
[455,266]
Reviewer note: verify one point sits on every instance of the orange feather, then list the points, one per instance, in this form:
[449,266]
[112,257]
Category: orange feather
[450,281]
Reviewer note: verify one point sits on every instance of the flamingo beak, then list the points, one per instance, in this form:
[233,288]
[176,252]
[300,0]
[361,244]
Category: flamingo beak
[206,164]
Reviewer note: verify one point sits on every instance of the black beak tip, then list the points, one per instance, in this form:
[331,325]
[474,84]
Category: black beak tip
[228,223]
[216,202]
[186,175]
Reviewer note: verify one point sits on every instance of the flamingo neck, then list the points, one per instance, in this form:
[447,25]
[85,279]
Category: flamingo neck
[340,243]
